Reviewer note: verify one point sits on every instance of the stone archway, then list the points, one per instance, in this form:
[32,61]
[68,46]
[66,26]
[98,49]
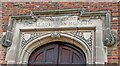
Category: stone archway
[25,54]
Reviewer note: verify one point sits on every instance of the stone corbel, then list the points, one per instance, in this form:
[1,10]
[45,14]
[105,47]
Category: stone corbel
[34,17]
[81,13]
[7,38]
[109,35]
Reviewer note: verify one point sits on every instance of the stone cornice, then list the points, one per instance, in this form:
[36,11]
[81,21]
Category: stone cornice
[61,11]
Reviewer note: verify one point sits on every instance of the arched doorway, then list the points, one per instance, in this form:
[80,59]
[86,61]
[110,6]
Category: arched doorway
[57,53]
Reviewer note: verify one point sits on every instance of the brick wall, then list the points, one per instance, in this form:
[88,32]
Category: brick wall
[24,8]
[2,49]
[119,31]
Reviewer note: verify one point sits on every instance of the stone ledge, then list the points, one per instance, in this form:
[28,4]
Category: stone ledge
[62,11]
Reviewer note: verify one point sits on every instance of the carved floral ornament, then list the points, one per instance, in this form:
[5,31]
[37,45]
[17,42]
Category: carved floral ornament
[109,37]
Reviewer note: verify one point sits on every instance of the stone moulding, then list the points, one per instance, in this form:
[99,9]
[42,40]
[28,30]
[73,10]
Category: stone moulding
[57,12]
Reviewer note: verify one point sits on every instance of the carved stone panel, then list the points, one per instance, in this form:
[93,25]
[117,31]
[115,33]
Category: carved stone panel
[27,37]
[85,36]
[59,21]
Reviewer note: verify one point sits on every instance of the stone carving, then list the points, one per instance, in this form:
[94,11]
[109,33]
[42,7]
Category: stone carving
[27,37]
[58,21]
[7,39]
[86,35]
[3,42]
[109,37]
[81,35]
[34,18]
[81,13]
[55,18]
[55,34]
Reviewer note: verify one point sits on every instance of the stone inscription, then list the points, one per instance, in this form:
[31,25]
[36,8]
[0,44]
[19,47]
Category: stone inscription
[51,22]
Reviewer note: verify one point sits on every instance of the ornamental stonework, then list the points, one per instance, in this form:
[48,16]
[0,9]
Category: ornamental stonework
[85,36]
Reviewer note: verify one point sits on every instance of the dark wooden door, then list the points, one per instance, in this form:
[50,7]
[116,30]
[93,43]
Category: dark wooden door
[57,53]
